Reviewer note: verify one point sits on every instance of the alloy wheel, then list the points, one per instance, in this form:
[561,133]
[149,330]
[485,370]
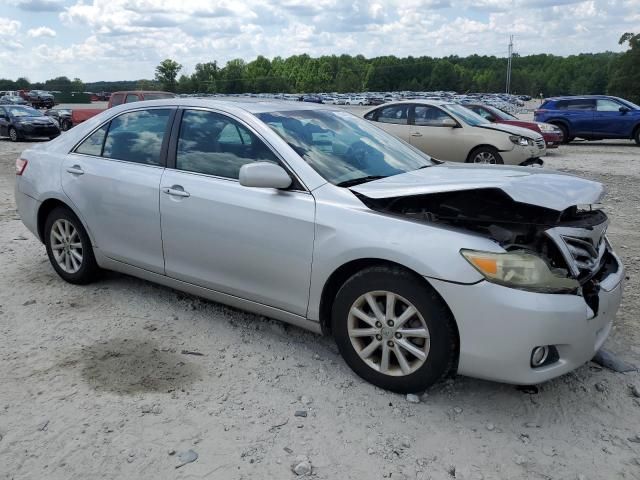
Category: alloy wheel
[485,157]
[388,333]
[66,246]
[13,135]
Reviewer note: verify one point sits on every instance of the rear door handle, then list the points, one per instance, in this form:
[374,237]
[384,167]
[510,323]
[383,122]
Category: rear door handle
[176,191]
[76,170]
[416,134]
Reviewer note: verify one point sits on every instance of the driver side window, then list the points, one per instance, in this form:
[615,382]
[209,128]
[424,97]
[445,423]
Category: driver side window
[429,116]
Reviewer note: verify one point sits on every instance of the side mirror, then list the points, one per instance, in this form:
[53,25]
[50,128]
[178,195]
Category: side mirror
[449,122]
[264,175]
[624,109]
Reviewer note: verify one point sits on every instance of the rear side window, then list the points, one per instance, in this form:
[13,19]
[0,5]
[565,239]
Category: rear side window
[92,145]
[131,97]
[605,105]
[214,144]
[117,99]
[396,114]
[581,104]
[137,136]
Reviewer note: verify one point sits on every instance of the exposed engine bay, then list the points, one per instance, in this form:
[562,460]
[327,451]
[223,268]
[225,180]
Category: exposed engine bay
[572,242]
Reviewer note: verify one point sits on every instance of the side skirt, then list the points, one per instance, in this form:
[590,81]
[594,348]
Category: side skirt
[231,300]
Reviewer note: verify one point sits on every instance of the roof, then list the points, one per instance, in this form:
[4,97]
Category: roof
[578,97]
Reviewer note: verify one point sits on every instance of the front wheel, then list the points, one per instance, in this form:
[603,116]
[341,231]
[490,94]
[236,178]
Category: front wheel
[65,125]
[636,136]
[13,134]
[393,330]
[485,155]
[69,247]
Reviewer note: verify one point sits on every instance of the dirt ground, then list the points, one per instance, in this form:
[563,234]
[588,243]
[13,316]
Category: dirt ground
[101,381]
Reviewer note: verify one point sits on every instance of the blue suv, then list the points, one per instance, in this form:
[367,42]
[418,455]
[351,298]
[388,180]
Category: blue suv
[593,117]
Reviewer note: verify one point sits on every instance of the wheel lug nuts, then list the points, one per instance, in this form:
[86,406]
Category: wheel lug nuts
[378,324]
[390,343]
[390,323]
[378,337]
[398,335]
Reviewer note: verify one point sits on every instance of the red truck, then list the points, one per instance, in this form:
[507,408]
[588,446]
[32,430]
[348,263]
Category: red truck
[80,115]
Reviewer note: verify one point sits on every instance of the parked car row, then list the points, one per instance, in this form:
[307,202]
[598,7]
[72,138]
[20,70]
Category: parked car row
[21,122]
[309,214]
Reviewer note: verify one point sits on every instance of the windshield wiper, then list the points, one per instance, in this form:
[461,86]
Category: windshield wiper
[359,180]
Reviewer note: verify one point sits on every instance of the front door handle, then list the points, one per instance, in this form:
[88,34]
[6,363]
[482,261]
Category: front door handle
[76,170]
[176,191]
[416,134]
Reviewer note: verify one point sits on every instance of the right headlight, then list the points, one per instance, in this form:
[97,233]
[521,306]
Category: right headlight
[520,269]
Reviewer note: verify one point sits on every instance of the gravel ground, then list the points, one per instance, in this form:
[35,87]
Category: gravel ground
[120,378]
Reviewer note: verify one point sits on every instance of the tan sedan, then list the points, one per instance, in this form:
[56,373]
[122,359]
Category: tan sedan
[449,131]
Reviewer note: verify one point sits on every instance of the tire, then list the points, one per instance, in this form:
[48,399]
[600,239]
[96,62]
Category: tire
[13,134]
[65,125]
[485,155]
[565,133]
[78,271]
[432,316]
[636,135]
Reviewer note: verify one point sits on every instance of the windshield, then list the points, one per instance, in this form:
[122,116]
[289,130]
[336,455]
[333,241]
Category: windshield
[23,112]
[502,115]
[343,148]
[630,104]
[466,115]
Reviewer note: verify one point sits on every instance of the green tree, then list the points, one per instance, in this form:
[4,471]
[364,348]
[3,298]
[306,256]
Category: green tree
[167,73]
[625,72]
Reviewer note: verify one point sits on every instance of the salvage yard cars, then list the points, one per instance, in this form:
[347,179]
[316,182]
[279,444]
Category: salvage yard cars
[451,132]
[314,216]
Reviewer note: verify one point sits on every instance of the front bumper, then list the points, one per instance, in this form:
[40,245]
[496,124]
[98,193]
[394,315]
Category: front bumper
[553,140]
[519,154]
[499,327]
[35,130]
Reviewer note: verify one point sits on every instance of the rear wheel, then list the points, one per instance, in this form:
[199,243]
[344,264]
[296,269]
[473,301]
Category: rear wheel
[65,125]
[69,248]
[485,155]
[636,135]
[393,330]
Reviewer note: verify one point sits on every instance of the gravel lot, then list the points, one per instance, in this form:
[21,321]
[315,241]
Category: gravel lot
[101,381]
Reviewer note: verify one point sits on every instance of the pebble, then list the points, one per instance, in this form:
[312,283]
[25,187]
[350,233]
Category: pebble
[600,387]
[549,451]
[186,457]
[288,450]
[300,413]
[520,460]
[44,426]
[490,426]
[634,439]
[457,410]
[635,391]
[306,400]
[370,451]
[413,398]
[302,466]
[531,425]
[171,452]
[28,302]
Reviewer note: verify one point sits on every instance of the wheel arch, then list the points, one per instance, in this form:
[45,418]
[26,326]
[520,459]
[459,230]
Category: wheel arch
[482,145]
[345,271]
[47,206]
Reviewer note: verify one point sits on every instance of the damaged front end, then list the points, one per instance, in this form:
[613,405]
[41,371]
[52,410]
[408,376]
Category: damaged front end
[571,242]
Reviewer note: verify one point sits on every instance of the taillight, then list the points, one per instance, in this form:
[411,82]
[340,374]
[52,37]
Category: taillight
[21,164]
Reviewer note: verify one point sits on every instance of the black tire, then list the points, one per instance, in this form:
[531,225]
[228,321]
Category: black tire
[65,125]
[89,270]
[565,133]
[14,136]
[443,338]
[485,150]
[636,135]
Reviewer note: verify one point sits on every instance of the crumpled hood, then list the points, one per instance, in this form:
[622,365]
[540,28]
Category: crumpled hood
[512,129]
[544,188]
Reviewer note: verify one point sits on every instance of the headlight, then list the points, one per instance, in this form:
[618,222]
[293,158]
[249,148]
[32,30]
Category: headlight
[522,141]
[548,128]
[521,270]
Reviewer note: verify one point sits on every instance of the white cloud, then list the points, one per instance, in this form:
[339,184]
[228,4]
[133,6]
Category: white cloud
[9,27]
[41,32]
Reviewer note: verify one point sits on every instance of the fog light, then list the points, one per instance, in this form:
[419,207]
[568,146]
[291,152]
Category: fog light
[539,356]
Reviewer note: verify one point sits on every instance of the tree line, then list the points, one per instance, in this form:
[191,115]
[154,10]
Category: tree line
[597,73]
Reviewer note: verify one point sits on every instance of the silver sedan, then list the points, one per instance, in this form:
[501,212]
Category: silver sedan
[308,214]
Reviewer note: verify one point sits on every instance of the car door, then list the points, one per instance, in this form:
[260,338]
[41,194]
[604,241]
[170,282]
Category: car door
[393,119]
[430,134]
[113,178]
[580,113]
[609,121]
[253,243]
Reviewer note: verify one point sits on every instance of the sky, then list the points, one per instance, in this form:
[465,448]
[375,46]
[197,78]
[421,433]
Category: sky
[126,39]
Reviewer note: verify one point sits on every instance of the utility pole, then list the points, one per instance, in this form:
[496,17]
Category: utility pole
[508,89]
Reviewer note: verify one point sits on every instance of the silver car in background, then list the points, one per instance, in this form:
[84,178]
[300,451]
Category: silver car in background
[313,216]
